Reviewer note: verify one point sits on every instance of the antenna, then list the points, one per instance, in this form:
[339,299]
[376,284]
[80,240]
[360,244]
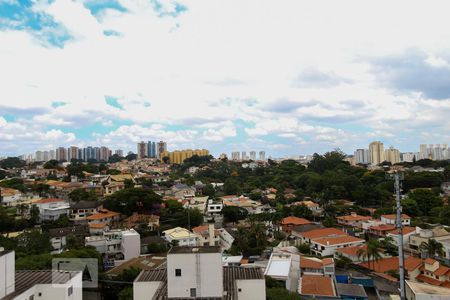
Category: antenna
[397,178]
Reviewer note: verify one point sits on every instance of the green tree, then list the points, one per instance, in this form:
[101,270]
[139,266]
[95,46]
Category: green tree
[80,194]
[234,213]
[34,242]
[132,200]
[51,164]
[432,248]
[372,252]
[126,294]
[425,199]
[209,190]
[281,293]
[34,214]
[6,220]
[12,162]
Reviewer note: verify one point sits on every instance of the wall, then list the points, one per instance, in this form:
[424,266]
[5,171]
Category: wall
[145,290]
[131,245]
[211,275]
[251,289]
[7,275]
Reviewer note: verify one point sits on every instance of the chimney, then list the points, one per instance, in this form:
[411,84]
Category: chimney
[211,233]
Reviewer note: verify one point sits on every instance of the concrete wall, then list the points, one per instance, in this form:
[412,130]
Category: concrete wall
[131,245]
[7,274]
[145,290]
[209,283]
[251,289]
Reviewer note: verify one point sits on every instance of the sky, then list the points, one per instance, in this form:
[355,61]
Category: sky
[288,77]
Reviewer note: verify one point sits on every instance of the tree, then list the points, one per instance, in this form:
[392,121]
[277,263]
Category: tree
[80,194]
[34,214]
[128,201]
[304,248]
[34,242]
[12,162]
[425,199]
[6,220]
[126,294]
[115,158]
[51,164]
[302,211]
[234,213]
[432,248]
[131,157]
[209,190]
[372,252]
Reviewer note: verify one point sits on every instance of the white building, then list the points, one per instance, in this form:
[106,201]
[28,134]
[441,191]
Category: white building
[117,244]
[51,209]
[214,208]
[42,285]
[181,236]
[198,273]
[423,291]
[390,219]
[362,156]
[10,197]
[284,267]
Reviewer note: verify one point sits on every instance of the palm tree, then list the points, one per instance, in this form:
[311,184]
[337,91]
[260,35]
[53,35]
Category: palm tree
[432,248]
[372,252]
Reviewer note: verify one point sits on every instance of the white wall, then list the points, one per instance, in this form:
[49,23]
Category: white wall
[211,275]
[131,245]
[251,289]
[7,275]
[145,290]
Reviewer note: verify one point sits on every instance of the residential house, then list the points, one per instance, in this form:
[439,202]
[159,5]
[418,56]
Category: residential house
[116,244]
[50,209]
[437,233]
[285,268]
[197,273]
[352,220]
[381,230]
[37,284]
[80,210]
[312,206]
[315,286]
[316,266]
[136,220]
[181,237]
[407,231]
[207,234]
[9,197]
[391,219]
[103,220]
[353,253]
[327,245]
[113,187]
[423,291]
[289,223]
[58,236]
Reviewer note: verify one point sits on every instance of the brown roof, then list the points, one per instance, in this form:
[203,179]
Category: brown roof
[352,250]
[429,280]
[383,227]
[317,285]
[354,218]
[337,240]
[412,263]
[394,216]
[104,213]
[430,261]
[294,221]
[48,200]
[316,233]
[309,263]
[405,230]
[392,263]
[442,270]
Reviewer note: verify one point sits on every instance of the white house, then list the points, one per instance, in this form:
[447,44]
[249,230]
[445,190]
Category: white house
[284,267]
[117,244]
[37,284]
[9,197]
[181,236]
[423,291]
[51,209]
[390,219]
[197,273]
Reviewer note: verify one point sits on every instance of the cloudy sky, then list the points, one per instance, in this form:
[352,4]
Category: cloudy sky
[288,77]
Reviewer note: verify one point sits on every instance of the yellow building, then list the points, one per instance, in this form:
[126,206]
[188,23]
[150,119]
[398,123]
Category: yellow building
[178,156]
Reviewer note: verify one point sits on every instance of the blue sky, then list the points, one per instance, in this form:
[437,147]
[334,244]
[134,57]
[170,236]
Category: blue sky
[290,78]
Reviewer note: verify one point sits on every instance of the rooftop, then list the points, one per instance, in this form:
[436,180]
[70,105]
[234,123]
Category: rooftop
[27,279]
[394,216]
[48,200]
[203,249]
[327,241]
[316,285]
[103,213]
[316,233]
[294,221]
[354,290]
[422,288]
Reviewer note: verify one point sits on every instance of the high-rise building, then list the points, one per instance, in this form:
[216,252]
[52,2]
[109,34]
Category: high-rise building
[244,155]
[262,155]
[160,148]
[177,157]
[39,155]
[361,156]
[142,149]
[408,156]
[151,149]
[97,153]
[72,153]
[236,156]
[46,156]
[253,155]
[51,154]
[119,152]
[376,153]
[104,153]
[61,154]
[392,155]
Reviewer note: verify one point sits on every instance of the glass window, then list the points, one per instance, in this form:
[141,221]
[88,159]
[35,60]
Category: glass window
[178,272]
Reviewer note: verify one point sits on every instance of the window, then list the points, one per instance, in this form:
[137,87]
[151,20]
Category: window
[178,272]
[39,294]
[31,297]
[70,291]
[193,292]
[239,290]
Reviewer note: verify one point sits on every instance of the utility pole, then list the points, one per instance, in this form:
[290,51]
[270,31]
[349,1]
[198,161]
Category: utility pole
[397,178]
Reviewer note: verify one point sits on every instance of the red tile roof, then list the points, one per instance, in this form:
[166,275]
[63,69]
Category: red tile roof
[317,285]
[104,213]
[428,280]
[294,221]
[354,218]
[394,216]
[48,200]
[383,227]
[326,241]
[412,263]
[323,232]
[352,250]
[430,261]
[442,270]
[392,263]
[405,230]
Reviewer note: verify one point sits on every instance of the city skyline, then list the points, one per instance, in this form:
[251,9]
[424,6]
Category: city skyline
[115,73]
